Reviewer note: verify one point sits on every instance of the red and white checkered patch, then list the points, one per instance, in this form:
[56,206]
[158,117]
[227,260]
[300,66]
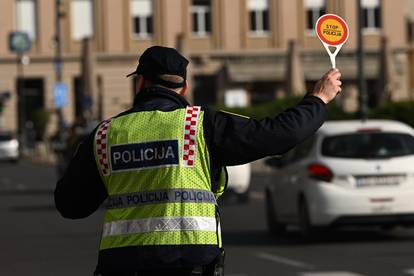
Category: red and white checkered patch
[102,146]
[190,135]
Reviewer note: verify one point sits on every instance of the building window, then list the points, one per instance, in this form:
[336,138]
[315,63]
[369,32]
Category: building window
[410,30]
[372,14]
[142,18]
[201,16]
[82,18]
[26,17]
[259,16]
[314,10]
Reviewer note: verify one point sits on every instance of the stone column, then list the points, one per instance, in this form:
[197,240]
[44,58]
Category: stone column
[182,47]
[295,79]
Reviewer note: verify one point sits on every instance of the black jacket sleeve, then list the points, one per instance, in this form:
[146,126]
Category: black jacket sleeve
[80,191]
[236,140]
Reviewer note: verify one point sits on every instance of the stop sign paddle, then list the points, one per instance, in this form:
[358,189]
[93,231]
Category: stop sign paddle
[333,32]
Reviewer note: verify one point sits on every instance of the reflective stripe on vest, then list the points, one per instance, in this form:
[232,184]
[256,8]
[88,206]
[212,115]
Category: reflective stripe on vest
[124,227]
[190,135]
[160,196]
[101,141]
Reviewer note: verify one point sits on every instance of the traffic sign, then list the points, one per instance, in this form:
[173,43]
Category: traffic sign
[60,95]
[4,95]
[87,102]
[332,31]
[19,42]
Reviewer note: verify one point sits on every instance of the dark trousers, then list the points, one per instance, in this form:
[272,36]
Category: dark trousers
[163,272]
[215,268]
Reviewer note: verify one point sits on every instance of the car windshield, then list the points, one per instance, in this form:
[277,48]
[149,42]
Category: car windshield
[368,145]
[5,137]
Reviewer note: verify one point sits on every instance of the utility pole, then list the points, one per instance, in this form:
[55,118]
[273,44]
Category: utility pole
[58,59]
[21,101]
[20,43]
[363,97]
[58,45]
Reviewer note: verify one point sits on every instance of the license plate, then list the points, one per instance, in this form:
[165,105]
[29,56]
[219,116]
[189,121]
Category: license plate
[374,181]
[381,209]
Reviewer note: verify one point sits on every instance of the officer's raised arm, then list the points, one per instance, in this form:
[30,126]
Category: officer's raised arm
[238,140]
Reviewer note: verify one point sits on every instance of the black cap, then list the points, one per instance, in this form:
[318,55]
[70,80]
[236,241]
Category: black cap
[157,61]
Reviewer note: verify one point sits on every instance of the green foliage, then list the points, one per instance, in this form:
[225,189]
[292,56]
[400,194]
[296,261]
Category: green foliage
[41,119]
[401,111]
[336,113]
[274,107]
[263,110]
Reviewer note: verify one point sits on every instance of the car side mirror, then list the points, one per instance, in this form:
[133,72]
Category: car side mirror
[277,161]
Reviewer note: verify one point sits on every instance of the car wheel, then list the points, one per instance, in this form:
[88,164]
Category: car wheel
[273,225]
[305,225]
[388,228]
[14,161]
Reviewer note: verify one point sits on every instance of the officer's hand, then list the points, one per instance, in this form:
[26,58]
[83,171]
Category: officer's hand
[328,86]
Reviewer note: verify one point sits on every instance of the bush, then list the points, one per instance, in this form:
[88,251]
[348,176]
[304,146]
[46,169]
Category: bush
[262,110]
[402,111]
[275,107]
[336,113]
[40,121]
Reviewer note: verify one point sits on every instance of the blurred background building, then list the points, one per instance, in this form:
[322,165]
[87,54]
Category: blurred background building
[242,51]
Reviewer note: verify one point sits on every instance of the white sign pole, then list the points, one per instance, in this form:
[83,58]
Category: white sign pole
[332,55]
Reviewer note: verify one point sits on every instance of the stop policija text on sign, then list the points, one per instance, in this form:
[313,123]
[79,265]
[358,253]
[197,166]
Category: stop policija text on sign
[332,30]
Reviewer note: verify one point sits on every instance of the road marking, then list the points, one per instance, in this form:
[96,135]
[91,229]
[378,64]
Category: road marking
[257,195]
[330,273]
[5,180]
[6,185]
[21,187]
[283,260]
[409,271]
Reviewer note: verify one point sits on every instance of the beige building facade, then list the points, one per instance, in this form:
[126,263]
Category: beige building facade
[234,45]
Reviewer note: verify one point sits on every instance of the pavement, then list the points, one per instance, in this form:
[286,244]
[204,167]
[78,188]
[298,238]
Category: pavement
[37,241]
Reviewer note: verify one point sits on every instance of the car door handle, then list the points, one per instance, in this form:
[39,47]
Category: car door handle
[293,179]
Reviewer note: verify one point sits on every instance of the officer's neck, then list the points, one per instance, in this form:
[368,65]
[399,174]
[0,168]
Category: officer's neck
[158,92]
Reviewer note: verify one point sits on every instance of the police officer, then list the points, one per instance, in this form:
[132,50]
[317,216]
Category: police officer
[160,166]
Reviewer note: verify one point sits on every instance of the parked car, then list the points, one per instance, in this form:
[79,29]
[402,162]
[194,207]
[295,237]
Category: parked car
[9,147]
[349,173]
[239,181]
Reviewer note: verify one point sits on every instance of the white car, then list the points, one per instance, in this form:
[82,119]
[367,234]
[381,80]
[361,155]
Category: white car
[239,181]
[9,147]
[348,173]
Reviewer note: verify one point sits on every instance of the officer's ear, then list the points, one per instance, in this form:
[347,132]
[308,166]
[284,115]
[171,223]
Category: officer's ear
[184,89]
[139,83]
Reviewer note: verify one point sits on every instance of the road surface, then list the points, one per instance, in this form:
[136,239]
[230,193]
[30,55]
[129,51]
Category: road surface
[37,241]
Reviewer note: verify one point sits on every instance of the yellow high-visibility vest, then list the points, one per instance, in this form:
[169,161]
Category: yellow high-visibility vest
[156,169]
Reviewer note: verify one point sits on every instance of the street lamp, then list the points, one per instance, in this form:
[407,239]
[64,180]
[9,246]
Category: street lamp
[20,43]
[58,45]
[58,60]
[363,97]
